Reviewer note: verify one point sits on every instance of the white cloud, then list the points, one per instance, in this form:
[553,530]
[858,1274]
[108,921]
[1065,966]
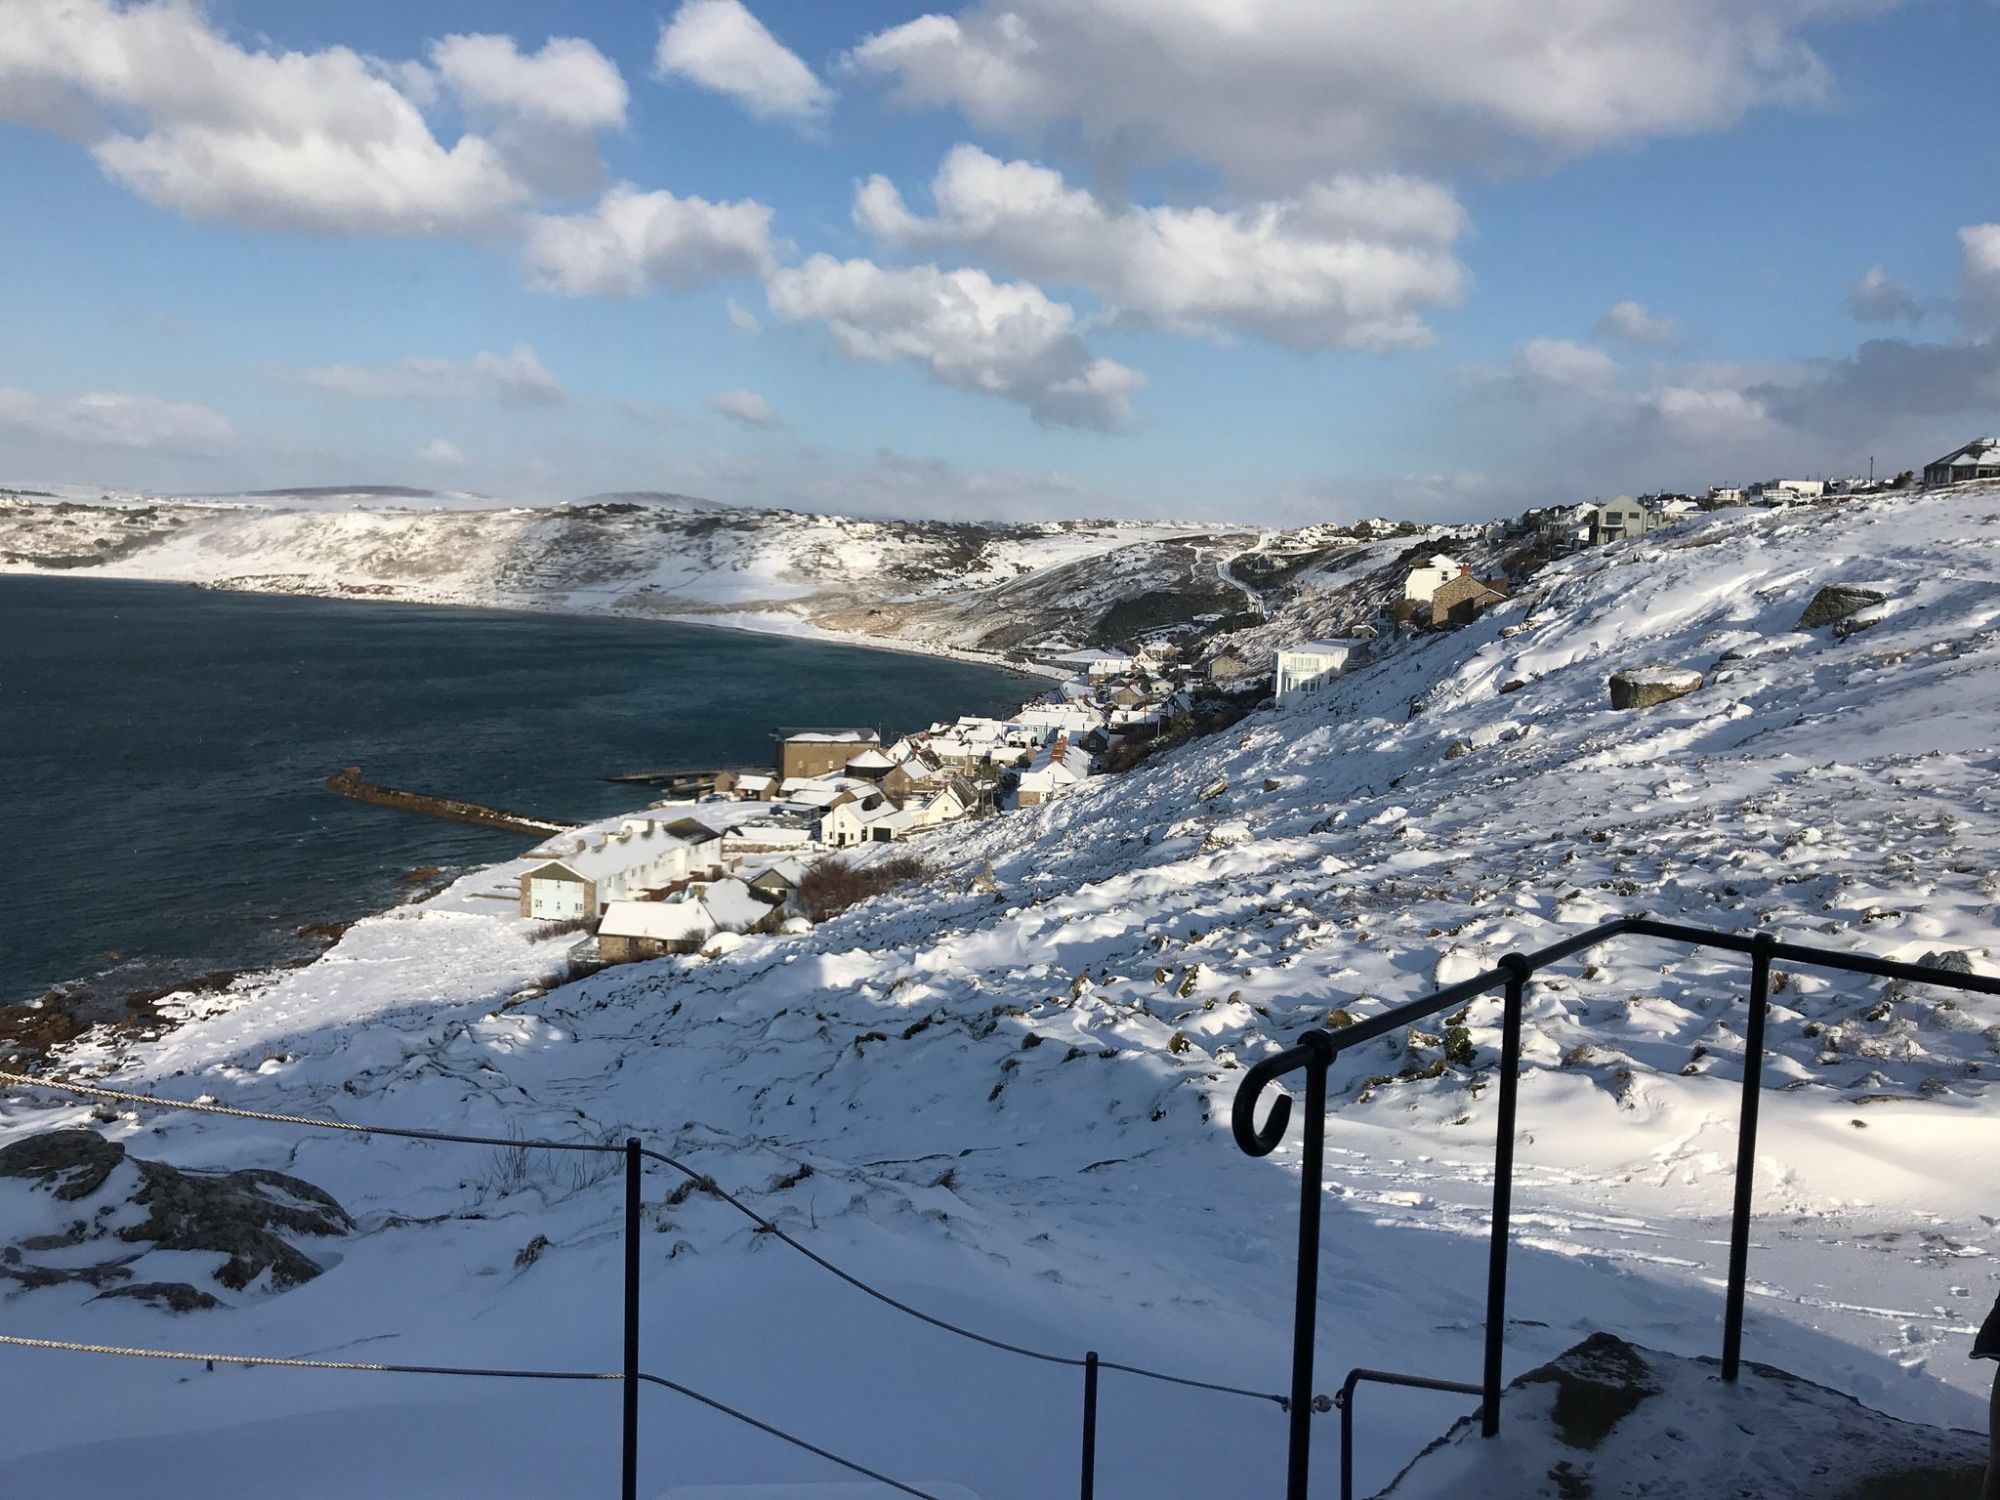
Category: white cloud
[1348,264]
[1711,415]
[326,141]
[719,45]
[742,319]
[747,407]
[1560,362]
[1979,275]
[518,377]
[1273,90]
[1005,339]
[1878,297]
[568,83]
[1631,322]
[633,240]
[106,419]
[541,109]
[442,452]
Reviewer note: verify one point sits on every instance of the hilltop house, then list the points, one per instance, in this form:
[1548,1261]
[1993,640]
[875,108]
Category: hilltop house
[1228,666]
[1311,665]
[1978,459]
[1619,520]
[1427,578]
[1460,601]
[816,752]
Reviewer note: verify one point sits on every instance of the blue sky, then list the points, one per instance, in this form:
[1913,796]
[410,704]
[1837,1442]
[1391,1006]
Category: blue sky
[1172,257]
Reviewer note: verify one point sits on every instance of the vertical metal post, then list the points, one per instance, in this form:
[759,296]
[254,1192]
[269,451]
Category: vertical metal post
[1345,1401]
[1503,1192]
[1298,1460]
[1746,1154]
[633,1167]
[1089,1488]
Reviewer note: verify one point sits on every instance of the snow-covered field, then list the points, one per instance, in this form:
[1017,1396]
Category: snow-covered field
[1011,1084]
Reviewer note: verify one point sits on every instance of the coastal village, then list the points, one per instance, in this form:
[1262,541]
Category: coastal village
[692,874]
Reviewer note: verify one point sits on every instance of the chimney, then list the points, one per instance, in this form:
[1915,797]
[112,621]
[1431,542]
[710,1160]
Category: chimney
[1465,570]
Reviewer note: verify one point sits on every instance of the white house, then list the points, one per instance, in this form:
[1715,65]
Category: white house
[583,872]
[1311,665]
[1785,491]
[1426,580]
[1105,663]
[1059,767]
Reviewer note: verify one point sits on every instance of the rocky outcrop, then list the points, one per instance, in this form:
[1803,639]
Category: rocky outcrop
[245,1216]
[1642,687]
[1611,1419]
[1838,601]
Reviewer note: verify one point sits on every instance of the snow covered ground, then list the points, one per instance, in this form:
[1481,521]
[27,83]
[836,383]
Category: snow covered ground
[939,586]
[1011,1083]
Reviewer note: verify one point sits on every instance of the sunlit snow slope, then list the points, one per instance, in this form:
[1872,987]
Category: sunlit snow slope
[1011,1082]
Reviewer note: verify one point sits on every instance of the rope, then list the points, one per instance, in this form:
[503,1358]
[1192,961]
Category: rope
[709,1184]
[373,1368]
[96,1092]
[706,1183]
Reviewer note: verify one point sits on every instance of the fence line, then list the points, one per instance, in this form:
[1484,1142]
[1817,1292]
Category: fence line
[374,1368]
[701,1179]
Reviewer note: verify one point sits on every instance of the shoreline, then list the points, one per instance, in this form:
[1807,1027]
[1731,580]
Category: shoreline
[37,1028]
[795,629]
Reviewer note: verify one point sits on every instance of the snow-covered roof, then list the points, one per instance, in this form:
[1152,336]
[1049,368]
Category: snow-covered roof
[594,854]
[834,737]
[664,921]
[732,906]
[870,760]
[1328,647]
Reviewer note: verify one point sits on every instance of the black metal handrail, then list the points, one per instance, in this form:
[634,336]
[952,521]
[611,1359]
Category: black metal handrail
[1316,1050]
[1345,1401]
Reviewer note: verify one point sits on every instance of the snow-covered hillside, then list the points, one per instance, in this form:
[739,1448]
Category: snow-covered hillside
[1011,1082]
[931,584]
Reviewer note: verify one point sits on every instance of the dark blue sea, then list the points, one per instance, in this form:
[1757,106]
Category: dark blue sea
[163,748]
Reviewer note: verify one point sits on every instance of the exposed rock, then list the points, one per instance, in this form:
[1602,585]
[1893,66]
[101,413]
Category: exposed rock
[1951,960]
[1457,748]
[71,1164]
[238,1213]
[1642,687]
[1513,685]
[1611,1419]
[1213,790]
[243,1215]
[174,1296]
[1836,602]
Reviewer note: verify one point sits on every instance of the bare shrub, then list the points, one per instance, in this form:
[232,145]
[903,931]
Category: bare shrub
[831,886]
[564,928]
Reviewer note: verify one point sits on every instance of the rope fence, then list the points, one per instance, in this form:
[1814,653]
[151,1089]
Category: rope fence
[370,1367]
[631,1377]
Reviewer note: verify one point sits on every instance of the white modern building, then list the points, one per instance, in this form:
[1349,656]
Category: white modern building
[1311,665]
[1428,579]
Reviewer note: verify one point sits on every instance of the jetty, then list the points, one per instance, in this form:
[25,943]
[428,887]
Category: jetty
[349,782]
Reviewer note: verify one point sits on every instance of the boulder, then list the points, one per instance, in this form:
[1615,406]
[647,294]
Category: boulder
[1836,602]
[1610,1420]
[243,1215]
[1642,687]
